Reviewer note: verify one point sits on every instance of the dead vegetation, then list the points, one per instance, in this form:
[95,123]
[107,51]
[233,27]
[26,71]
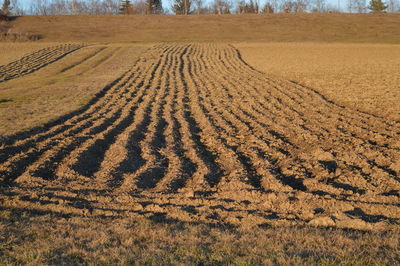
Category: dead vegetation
[8,34]
[29,237]
[358,28]
[11,51]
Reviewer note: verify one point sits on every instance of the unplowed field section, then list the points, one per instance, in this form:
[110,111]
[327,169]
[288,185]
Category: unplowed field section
[36,60]
[192,133]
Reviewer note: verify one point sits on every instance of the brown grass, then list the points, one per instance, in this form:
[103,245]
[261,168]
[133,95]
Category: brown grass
[360,76]
[39,238]
[375,28]
[10,52]
[61,87]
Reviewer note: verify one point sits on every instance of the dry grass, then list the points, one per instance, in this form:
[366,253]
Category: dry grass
[10,52]
[376,28]
[63,86]
[39,238]
[360,76]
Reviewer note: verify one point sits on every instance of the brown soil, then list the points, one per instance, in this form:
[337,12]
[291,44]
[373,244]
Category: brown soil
[360,76]
[192,133]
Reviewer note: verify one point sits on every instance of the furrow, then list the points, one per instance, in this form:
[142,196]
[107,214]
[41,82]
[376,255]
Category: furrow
[193,168]
[307,173]
[102,98]
[363,122]
[123,157]
[245,133]
[70,122]
[16,164]
[36,61]
[88,159]
[350,139]
[154,168]
[231,167]
[64,140]
[83,60]
[180,168]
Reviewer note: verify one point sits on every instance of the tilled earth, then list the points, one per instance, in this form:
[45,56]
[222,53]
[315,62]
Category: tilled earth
[192,133]
[36,61]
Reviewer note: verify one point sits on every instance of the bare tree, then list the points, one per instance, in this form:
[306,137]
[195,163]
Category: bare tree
[296,6]
[199,5]
[275,5]
[39,7]
[360,6]
[154,7]
[319,6]
[221,7]
[330,8]
[393,6]
[182,7]
[110,7]
[58,7]
[126,8]
[268,8]
[140,7]
[244,7]
[357,6]
[17,8]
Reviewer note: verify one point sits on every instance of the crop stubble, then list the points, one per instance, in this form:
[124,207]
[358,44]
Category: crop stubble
[193,133]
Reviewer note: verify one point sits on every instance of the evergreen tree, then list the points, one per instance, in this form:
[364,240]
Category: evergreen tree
[126,7]
[377,6]
[182,7]
[6,7]
[154,7]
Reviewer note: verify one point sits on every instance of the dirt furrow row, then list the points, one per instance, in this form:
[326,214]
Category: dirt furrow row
[78,132]
[89,159]
[177,172]
[193,166]
[235,174]
[193,133]
[123,157]
[104,97]
[153,141]
[36,60]
[96,53]
[23,142]
[37,146]
[364,122]
[228,125]
[247,126]
[234,75]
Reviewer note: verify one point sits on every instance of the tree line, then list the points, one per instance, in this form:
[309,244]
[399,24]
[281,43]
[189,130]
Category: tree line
[187,7]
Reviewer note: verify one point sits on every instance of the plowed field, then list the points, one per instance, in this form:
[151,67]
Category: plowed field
[193,133]
[35,61]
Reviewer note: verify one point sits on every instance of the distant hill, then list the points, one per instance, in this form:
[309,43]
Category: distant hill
[329,27]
